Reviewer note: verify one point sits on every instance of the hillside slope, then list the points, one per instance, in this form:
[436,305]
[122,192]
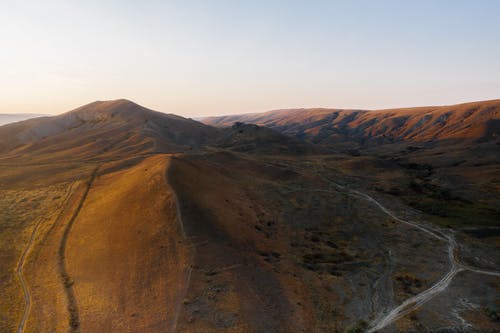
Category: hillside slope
[470,121]
[119,127]
[252,138]
[105,264]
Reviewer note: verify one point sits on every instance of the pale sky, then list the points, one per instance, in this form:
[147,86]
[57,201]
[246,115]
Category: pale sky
[198,58]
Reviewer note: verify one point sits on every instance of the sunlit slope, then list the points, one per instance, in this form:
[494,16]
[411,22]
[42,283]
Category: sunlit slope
[20,211]
[125,252]
[478,120]
[120,265]
[49,304]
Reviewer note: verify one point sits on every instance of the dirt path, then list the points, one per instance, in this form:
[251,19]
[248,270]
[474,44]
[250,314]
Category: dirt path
[420,299]
[24,285]
[74,320]
[22,260]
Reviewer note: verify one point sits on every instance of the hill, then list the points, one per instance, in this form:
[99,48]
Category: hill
[102,129]
[252,138]
[110,129]
[470,121]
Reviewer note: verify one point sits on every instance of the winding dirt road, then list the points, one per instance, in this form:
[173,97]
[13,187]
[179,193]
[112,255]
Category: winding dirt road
[24,285]
[388,317]
[22,260]
[418,300]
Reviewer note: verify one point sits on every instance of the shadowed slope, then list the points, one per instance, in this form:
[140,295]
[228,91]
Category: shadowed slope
[256,139]
[231,289]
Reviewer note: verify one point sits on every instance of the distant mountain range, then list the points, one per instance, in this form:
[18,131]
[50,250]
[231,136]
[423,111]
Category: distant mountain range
[470,121]
[123,127]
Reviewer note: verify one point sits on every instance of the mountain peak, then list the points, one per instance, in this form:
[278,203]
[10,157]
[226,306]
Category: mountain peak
[108,105]
[105,110]
[114,103]
[104,128]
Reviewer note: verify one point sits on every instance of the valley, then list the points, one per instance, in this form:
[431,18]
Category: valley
[118,218]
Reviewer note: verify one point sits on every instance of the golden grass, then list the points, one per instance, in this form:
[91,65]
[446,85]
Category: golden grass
[19,212]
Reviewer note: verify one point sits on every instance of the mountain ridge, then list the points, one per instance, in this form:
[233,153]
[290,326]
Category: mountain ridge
[103,128]
[116,127]
[474,120]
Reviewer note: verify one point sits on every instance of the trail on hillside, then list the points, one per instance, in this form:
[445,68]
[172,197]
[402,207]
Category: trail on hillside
[74,320]
[418,300]
[22,260]
[24,285]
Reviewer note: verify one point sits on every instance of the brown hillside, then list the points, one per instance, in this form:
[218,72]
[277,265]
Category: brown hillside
[103,129]
[476,121]
[114,259]
[116,218]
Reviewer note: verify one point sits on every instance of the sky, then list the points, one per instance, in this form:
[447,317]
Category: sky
[208,57]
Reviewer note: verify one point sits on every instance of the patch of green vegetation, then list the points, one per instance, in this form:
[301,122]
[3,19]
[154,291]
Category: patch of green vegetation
[453,214]
[358,327]
[492,314]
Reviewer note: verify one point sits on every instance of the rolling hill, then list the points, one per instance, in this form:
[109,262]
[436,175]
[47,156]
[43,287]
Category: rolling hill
[470,121]
[117,218]
[99,129]
[122,128]
[252,138]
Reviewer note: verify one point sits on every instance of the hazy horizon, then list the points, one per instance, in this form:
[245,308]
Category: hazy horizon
[236,113]
[211,58]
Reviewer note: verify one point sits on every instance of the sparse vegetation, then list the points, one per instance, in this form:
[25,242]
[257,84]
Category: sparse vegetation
[450,213]
[492,314]
[19,212]
[359,327]
[409,283]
